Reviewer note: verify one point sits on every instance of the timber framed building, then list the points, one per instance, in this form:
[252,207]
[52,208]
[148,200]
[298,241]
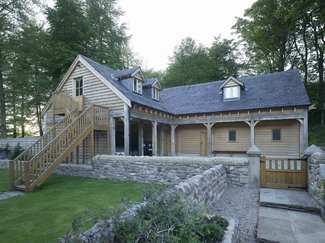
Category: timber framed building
[222,118]
[95,110]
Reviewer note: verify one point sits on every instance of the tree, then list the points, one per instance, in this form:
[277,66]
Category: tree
[225,58]
[28,87]
[265,33]
[190,64]
[194,63]
[70,34]
[108,40]
[151,73]
[12,14]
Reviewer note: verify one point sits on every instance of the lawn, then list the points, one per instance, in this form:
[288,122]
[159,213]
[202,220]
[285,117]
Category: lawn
[46,214]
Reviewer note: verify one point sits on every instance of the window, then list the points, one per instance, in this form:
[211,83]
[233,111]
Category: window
[232,135]
[276,134]
[155,93]
[231,92]
[79,87]
[137,86]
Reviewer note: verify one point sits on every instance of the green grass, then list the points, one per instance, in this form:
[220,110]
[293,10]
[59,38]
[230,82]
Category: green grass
[46,214]
[4,180]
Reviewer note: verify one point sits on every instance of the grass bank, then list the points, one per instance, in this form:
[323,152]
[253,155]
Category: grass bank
[46,214]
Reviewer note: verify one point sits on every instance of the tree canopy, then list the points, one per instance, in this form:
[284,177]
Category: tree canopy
[194,63]
[34,56]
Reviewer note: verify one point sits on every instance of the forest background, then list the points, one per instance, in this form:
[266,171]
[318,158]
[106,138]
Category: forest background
[38,43]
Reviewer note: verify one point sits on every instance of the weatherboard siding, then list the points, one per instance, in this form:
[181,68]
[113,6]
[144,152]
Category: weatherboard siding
[220,135]
[289,143]
[94,90]
[189,138]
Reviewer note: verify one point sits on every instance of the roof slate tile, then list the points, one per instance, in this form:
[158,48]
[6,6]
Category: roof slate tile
[276,90]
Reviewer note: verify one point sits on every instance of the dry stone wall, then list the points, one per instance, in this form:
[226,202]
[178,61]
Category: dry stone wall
[199,190]
[158,170]
[316,178]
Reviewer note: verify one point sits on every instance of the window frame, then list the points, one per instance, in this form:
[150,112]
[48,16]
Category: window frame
[273,135]
[155,93]
[232,92]
[78,89]
[137,86]
[230,137]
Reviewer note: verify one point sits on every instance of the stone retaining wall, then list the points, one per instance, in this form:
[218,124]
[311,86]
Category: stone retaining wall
[316,178]
[199,190]
[158,170]
[4,164]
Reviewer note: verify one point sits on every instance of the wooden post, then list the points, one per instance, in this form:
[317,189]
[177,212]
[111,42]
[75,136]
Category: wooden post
[154,138]
[161,141]
[252,125]
[77,154]
[209,135]
[305,130]
[92,135]
[12,175]
[83,151]
[112,135]
[108,133]
[126,130]
[140,137]
[27,177]
[172,138]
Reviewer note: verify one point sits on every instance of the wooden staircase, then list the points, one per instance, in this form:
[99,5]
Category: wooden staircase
[31,168]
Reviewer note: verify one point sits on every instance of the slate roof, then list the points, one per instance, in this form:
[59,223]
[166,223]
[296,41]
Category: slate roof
[276,90]
[150,82]
[142,99]
[125,72]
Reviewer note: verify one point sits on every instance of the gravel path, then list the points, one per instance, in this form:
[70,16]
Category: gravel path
[241,203]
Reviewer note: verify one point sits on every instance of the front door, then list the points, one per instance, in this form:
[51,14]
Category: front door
[283,173]
[203,144]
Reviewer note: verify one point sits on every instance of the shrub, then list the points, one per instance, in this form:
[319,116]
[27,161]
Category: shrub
[168,217]
[17,151]
[163,217]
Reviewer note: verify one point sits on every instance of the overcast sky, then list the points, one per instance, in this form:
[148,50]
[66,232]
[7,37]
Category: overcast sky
[157,26]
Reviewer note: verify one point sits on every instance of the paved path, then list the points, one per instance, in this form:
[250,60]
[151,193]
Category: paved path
[5,195]
[291,220]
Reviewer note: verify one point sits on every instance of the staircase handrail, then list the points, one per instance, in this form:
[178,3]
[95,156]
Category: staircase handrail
[67,101]
[35,148]
[46,160]
[30,165]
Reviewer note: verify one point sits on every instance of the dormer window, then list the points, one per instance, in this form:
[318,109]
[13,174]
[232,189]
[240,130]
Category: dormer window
[231,89]
[137,86]
[155,93]
[231,92]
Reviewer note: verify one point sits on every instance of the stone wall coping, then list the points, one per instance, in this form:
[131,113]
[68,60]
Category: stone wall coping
[254,151]
[175,160]
[320,157]
[76,166]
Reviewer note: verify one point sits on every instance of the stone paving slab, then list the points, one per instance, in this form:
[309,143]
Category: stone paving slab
[288,199]
[5,195]
[286,226]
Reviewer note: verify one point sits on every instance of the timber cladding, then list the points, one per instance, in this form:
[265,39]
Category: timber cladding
[95,91]
[189,138]
[221,141]
[287,145]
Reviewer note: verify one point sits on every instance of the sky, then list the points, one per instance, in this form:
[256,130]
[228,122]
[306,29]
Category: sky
[157,26]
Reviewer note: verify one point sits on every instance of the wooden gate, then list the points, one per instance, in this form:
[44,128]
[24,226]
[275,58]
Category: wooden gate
[283,173]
